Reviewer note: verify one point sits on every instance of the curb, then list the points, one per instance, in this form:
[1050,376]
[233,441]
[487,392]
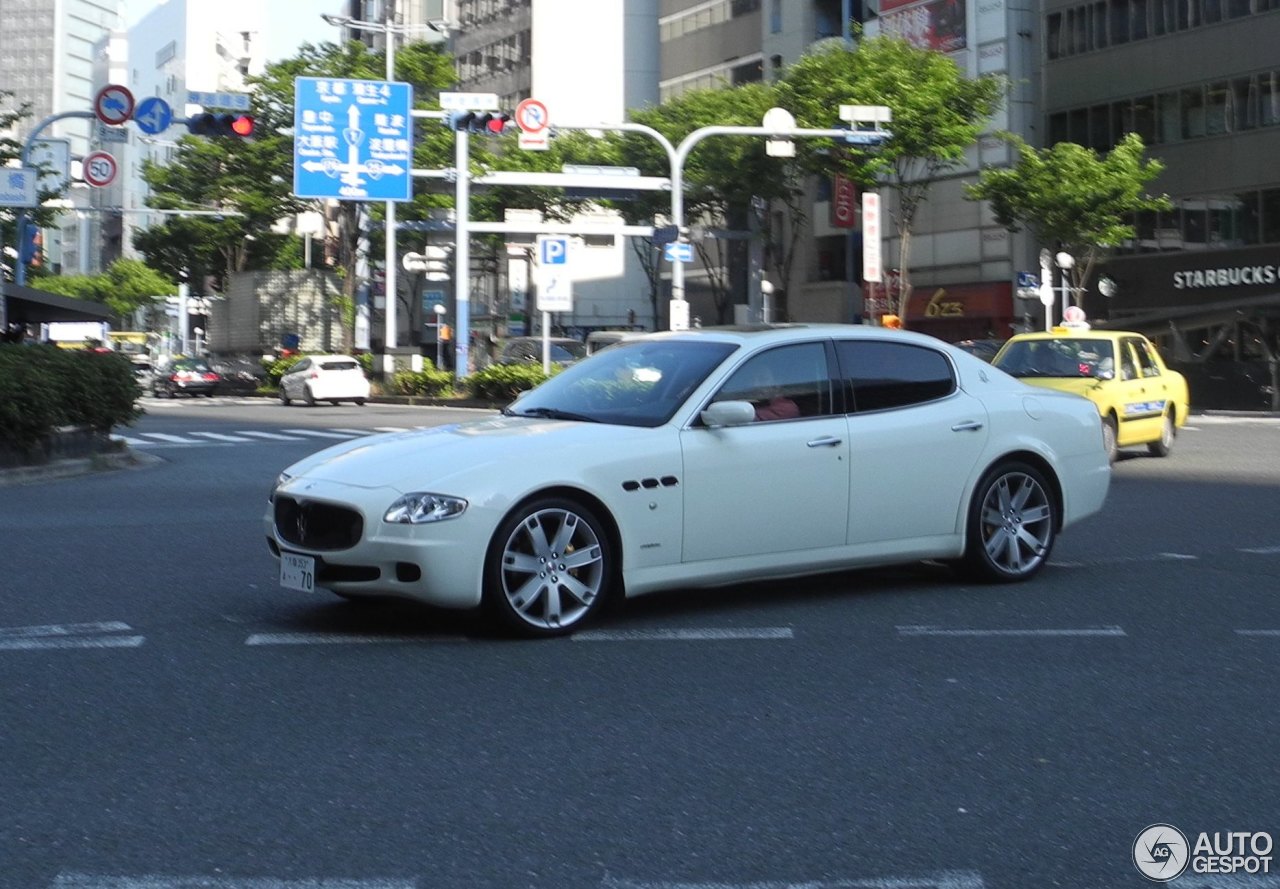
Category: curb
[60,469]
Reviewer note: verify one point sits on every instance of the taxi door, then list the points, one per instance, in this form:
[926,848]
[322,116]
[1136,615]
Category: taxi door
[1145,394]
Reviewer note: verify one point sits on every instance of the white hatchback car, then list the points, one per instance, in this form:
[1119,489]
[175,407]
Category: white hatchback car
[700,458]
[332,378]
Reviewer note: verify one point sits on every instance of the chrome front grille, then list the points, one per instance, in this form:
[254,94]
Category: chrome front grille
[318,526]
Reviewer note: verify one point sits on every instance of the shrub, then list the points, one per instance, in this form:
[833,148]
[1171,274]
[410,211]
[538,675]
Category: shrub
[281,366]
[43,387]
[503,382]
[426,382]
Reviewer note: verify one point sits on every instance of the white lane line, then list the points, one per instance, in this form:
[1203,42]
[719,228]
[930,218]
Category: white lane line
[340,639]
[690,635]
[173,439]
[943,631]
[71,642]
[108,626]
[131,442]
[273,436]
[360,432]
[1176,556]
[157,881]
[319,433]
[1260,550]
[390,428]
[941,880]
[219,436]
[1258,633]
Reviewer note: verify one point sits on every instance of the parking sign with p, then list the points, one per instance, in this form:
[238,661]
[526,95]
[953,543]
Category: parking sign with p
[553,250]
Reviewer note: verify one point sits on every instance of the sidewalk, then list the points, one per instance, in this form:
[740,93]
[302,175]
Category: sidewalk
[71,468]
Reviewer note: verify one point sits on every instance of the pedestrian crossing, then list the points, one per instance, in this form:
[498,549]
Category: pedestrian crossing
[152,440]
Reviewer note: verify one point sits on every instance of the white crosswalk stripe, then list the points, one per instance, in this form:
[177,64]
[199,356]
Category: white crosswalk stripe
[172,439]
[159,881]
[391,428]
[219,436]
[322,433]
[272,436]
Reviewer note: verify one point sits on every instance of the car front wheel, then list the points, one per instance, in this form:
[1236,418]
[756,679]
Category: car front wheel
[1163,446]
[1110,438]
[1013,522]
[549,569]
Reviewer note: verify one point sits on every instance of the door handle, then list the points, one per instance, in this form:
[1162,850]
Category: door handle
[826,441]
[967,426]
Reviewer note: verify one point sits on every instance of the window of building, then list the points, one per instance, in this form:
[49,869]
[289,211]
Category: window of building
[1269,98]
[775,17]
[1099,16]
[1078,126]
[1193,112]
[1139,11]
[1119,21]
[1100,128]
[1244,103]
[1053,39]
[1144,118]
[1212,11]
[1195,224]
[1217,109]
[1168,119]
[1271,216]
[1058,128]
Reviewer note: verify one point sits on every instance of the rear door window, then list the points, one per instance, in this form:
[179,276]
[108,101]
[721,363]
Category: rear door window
[879,375]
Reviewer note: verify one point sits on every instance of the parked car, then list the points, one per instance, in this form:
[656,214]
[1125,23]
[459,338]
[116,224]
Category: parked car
[188,376]
[1140,400]
[243,375]
[645,468]
[528,350]
[333,378]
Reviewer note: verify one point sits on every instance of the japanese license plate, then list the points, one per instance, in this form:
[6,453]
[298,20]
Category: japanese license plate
[298,572]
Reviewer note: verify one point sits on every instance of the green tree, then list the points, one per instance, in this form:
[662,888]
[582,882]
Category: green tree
[11,150]
[1071,198]
[937,111]
[129,284]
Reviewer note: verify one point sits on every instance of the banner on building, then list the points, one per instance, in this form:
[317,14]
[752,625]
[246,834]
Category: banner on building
[871,236]
[937,24]
[844,203]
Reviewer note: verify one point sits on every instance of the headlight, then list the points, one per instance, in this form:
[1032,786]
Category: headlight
[419,508]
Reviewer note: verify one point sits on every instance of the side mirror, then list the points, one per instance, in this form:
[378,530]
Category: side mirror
[728,413]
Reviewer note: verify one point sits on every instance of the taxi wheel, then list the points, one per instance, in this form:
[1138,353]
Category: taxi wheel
[1109,438]
[1013,522]
[1164,445]
[550,568]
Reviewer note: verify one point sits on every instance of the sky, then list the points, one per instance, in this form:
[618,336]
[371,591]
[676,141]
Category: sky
[289,23]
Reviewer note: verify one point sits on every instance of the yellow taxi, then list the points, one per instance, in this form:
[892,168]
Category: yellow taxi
[1140,399]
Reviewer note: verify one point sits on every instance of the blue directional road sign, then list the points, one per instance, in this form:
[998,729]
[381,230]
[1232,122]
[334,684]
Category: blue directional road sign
[1027,280]
[353,139]
[678,252]
[153,115]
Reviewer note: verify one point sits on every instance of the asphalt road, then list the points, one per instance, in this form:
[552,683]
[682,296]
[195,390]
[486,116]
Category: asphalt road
[171,717]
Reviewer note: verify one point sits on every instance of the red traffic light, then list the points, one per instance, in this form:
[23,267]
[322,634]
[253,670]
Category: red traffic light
[207,124]
[497,123]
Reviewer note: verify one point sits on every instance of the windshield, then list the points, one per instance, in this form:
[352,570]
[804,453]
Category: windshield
[1080,358]
[630,384]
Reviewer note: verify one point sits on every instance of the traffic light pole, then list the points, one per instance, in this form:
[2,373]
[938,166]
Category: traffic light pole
[20,267]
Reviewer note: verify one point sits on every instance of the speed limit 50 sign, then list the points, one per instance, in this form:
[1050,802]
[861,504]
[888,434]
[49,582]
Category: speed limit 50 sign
[99,168]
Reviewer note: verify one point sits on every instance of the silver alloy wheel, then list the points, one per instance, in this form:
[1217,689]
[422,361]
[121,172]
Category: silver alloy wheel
[1016,523]
[1110,438]
[1164,445]
[553,568]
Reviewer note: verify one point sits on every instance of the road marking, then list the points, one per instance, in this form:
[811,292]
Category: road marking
[1260,550]
[942,880]
[340,639]
[173,439]
[110,626]
[274,436]
[219,436]
[156,881]
[1176,556]
[320,433]
[358,432]
[131,442]
[71,642]
[50,636]
[942,631]
[390,428]
[691,635]
[1258,632]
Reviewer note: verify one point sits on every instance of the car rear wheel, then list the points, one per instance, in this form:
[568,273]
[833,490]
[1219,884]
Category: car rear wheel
[1163,446]
[549,569]
[1110,438]
[308,396]
[359,402]
[284,397]
[1013,522]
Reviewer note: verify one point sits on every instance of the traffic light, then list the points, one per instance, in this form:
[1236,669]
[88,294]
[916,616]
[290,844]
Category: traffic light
[30,244]
[235,126]
[484,123]
[439,262]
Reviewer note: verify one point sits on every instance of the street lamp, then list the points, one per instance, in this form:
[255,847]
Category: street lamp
[1065,262]
[389,29]
[439,309]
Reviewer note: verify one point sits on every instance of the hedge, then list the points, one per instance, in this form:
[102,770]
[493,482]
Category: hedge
[43,388]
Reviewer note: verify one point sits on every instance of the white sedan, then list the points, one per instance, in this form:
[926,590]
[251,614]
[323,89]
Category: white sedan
[331,378]
[699,458]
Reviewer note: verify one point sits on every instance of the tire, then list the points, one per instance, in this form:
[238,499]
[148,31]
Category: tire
[1164,446]
[284,397]
[359,402]
[549,570]
[1013,523]
[1110,438]
[308,397]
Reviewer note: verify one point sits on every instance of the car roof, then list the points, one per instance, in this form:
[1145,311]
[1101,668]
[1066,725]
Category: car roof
[765,334]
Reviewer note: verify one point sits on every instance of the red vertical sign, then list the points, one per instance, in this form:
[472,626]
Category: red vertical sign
[844,203]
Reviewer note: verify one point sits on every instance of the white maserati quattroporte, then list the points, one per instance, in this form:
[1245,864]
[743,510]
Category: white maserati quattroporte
[698,458]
